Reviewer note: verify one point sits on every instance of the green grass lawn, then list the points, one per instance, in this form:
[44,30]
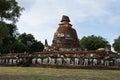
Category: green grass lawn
[35,73]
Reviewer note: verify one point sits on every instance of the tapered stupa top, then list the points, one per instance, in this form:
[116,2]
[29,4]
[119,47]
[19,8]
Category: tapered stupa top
[46,43]
[65,38]
[65,19]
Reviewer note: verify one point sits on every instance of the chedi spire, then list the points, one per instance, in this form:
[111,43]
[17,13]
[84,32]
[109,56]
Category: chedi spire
[65,38]
[65,19]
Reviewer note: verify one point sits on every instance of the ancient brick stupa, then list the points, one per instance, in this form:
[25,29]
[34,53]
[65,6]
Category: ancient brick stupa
[65,38]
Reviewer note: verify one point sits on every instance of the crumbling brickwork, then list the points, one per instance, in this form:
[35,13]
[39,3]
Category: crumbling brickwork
[65,38]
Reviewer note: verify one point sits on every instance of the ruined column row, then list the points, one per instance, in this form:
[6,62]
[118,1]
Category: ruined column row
[77,61]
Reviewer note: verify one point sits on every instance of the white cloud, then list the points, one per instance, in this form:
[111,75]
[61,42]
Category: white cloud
[41,17]
[26,3]
[44,11]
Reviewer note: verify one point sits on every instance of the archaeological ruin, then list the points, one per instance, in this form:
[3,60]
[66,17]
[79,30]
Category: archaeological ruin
[65,38]
[64,51]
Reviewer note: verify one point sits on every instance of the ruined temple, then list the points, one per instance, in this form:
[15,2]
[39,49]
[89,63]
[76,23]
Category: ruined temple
[64,52]
[65,38]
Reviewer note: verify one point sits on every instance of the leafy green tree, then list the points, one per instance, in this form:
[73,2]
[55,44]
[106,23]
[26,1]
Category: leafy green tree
[10,10]
[3,30]
[37,46]
[8,39]
[19,47]
[116,44]
[27,39]
[93,42]
[31,44]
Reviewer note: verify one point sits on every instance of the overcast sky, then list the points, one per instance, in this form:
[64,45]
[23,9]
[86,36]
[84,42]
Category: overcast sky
[88,17]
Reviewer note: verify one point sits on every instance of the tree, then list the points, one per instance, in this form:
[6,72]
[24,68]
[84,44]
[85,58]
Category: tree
[3,30]
[10,10]
[116,44]
[31,44]
[37,46]
[27,39]
[8,38]
[93,42]
[19,47]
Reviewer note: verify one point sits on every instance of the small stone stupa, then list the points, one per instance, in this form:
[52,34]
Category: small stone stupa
[65,38]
